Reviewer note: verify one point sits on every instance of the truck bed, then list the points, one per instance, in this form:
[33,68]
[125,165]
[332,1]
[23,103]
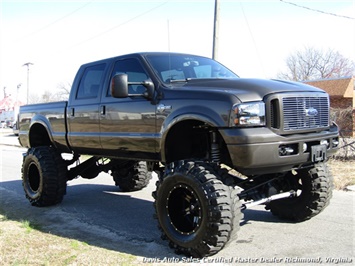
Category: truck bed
[51,115]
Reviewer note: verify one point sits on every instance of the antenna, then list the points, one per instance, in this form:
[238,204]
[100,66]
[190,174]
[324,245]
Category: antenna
[215,30]
[168,24]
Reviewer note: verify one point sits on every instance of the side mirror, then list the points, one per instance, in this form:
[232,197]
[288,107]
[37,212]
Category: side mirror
[119,86]
[149,85]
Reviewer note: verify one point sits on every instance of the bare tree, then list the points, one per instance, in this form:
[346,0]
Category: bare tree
[46,97]
[62,94]
[310,64]
[34,98]
[64,90]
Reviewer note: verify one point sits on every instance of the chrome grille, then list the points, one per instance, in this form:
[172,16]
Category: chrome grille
[303,113]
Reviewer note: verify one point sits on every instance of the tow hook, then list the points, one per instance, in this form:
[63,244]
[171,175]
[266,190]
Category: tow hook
[289,194]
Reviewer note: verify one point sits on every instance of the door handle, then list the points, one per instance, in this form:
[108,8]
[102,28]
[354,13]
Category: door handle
[72,112]
[103,110]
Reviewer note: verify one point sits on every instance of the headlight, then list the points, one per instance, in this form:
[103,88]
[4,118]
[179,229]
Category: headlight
[248,114]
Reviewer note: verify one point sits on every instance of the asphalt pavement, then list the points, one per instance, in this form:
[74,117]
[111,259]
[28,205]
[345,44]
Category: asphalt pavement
[98,213]
[8,138]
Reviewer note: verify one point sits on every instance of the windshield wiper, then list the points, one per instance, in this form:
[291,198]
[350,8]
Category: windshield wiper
[180,80]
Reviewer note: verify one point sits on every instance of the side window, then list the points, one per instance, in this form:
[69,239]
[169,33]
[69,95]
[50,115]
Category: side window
[90,82]
[135,72]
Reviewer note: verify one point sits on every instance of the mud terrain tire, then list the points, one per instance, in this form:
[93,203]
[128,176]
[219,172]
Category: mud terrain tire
[44,177]
[133,177]
[315,185]
[196,212]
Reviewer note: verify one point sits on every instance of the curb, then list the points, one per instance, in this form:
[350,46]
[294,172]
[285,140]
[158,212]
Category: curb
[11,145]
[7,138]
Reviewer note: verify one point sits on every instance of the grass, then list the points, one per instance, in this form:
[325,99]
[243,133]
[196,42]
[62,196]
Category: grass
[29,226]
[343,173]
[22,243]
[342,165]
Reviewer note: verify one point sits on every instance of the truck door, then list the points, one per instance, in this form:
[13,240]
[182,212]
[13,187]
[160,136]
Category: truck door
[127,125]
[83,109]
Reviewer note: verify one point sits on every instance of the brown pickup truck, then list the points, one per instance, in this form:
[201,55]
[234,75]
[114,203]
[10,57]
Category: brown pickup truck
[219,143]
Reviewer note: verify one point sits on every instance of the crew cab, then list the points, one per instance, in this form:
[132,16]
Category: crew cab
[218,143]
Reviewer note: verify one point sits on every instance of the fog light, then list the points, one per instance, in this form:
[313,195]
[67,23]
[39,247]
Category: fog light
[285,150]
[304,147]
[335,143]
[324,142]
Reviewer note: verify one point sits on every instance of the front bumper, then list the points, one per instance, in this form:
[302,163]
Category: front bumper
[261,151]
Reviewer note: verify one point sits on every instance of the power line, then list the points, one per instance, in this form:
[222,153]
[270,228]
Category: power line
[104,32]
[253,39]
[316,10]
[57,20]
[121,24]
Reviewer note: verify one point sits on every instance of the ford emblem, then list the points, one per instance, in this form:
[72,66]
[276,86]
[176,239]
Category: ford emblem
[311,112]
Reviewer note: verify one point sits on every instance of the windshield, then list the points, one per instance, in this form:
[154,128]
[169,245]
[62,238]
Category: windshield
[177,67]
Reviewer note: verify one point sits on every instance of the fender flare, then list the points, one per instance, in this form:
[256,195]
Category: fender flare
[42,121]
[170,123]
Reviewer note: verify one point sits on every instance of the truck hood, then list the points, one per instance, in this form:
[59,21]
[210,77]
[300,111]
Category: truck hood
[248,89]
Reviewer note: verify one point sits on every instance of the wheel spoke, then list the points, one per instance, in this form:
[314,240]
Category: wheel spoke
[185,209]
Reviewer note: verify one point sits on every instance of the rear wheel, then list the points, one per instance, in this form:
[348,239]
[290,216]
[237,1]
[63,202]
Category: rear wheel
[44,176]
[132,176]
[196,212]
[314,191]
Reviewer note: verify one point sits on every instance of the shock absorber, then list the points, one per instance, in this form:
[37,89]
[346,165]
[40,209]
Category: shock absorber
[215,152]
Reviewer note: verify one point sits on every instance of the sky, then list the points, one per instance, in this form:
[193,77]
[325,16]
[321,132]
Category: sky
[255,37]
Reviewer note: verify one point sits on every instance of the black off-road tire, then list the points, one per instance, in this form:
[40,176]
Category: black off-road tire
[315,187]
[133,177]
[44,176]
[196,212]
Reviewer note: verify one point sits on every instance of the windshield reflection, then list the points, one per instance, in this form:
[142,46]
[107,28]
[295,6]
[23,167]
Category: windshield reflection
[181,68]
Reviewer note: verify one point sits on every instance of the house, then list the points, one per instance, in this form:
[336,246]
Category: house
[342,96]
[9,109]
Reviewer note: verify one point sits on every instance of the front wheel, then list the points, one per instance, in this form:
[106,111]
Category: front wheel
[44,176]
[314,191]
[196,212]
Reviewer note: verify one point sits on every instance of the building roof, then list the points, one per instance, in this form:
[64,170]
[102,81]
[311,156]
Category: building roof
[9,103]
[341,87]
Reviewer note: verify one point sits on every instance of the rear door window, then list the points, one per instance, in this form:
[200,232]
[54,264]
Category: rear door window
[90,82]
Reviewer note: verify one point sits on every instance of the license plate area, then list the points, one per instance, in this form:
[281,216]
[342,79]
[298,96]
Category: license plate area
[318,153]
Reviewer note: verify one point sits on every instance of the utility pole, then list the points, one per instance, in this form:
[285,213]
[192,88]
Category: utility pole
[215,30]
[28,78]
[18,88]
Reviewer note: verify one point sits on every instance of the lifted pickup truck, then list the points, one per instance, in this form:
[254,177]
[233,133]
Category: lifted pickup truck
[219,143]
